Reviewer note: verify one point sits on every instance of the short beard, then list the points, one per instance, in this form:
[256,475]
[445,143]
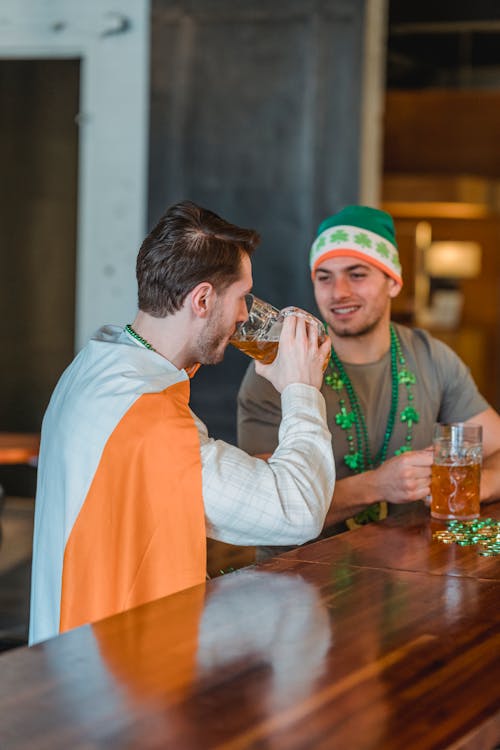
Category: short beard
[210,343]
[210,351]
[357,333]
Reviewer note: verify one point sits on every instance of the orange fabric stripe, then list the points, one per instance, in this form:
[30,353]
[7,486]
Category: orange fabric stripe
[191,371]
[140,533]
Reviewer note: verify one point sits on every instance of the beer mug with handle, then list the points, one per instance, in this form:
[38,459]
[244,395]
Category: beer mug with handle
[259,335]
[456,471]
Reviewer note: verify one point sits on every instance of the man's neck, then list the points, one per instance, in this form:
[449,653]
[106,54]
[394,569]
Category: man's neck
[363,349]
[168,336]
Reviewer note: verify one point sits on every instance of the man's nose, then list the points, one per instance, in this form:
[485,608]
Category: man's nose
[341,287]
[243,316]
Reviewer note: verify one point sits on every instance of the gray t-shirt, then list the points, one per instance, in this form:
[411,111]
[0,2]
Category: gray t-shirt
[444,392]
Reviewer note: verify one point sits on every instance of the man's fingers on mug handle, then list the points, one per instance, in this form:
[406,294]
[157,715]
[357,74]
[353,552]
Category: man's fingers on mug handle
[313,333]
[324,352]
[300,327]
[326,346]
[288,329]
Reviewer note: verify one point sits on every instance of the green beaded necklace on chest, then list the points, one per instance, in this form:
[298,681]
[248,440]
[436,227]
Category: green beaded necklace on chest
[351,419]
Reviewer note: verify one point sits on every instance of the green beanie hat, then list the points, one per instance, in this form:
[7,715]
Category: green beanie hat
[359,232]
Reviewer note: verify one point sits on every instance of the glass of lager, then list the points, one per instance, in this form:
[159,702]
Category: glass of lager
[259,335]
[456,471]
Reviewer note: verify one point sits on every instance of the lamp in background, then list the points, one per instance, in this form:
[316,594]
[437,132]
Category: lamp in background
[453,260]
[440,268]
[446,263]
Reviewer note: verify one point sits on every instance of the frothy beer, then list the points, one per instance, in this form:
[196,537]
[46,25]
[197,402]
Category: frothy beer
[264,351]
[258,336]
[455,490]
[456,471]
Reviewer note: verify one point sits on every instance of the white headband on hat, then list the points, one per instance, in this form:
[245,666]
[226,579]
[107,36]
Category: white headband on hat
[359,243]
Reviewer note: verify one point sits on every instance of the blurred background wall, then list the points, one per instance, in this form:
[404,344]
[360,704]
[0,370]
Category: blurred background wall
[273,115]
[441,174]
[257,112]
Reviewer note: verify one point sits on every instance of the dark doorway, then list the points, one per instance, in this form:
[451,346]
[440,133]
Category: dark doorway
[38,200]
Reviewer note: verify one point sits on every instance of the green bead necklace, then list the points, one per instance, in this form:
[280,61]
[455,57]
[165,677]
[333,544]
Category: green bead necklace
[359,457]
[139,338]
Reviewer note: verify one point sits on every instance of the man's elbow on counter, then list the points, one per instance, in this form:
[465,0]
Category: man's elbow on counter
[312,528]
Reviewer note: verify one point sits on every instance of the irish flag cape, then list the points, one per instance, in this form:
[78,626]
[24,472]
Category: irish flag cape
[119,516]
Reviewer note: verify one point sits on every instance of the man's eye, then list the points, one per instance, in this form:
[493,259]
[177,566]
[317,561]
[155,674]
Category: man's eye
[322,278]
[358,275]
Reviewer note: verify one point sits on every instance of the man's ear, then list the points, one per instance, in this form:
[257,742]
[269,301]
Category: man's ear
[202,299]
[394,287]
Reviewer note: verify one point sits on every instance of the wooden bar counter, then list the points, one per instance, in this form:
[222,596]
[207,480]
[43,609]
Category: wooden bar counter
[380,638]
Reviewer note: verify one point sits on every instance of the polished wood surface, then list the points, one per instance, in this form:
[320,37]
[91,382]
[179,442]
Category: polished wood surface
[379,638]
[403,542]
[19,447]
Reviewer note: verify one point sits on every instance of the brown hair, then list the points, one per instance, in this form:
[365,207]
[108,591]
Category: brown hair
[188,245]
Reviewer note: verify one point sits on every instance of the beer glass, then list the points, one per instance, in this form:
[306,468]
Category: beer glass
[259,335]
[456,471]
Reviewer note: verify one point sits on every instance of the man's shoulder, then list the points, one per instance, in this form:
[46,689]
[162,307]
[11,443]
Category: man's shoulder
[108,366]
[422,343]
